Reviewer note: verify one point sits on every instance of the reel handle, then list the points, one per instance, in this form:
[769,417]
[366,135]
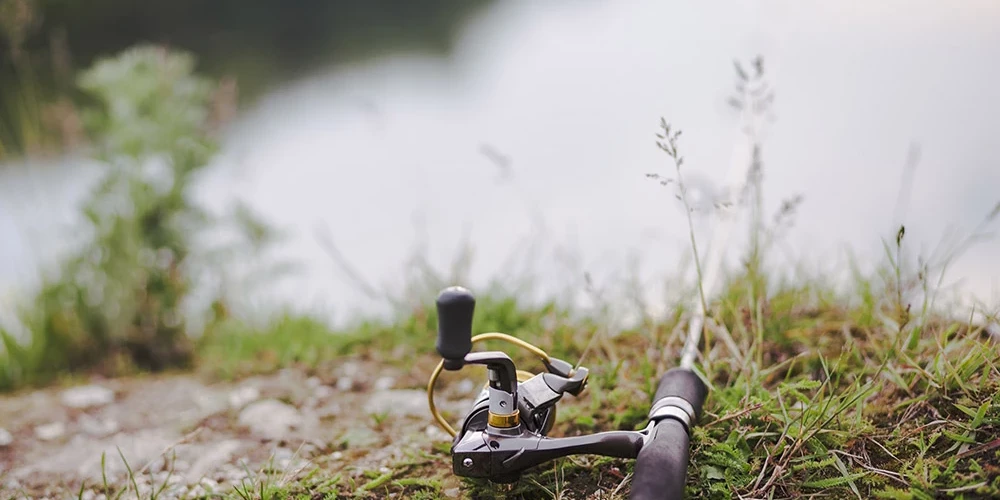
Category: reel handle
[455,308]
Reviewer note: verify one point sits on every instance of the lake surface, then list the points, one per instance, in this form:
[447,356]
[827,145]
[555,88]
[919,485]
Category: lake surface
[533,139]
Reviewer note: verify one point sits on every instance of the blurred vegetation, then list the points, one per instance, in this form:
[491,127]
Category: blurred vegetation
[116,303]
[260,44]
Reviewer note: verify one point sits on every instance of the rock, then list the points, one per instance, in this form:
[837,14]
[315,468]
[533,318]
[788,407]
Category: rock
[271,418]
[452,492]
[48,432]
[361,438]
[282,454]
[384,383]
[211,458]
[203,489]
[350,369]
[466,386]
[287,460]
[235,474]
[331,409]
[345,384]
[97,427]
[313,382]
[436,433]
[5,438]
[87,396]
[243,396]
[408,402]
[140,448]
[323,392]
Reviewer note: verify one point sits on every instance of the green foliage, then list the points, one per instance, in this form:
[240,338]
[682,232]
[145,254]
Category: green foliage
[116,301]
[151,104]
[232,348]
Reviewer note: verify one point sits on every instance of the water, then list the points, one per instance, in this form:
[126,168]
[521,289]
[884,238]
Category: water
[403,151]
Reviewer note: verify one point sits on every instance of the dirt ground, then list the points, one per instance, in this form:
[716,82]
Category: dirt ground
[198,437]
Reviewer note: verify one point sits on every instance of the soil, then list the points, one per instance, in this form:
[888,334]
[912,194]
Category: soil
[200,437]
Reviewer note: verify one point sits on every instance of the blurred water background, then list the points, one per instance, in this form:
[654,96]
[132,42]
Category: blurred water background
[527,133]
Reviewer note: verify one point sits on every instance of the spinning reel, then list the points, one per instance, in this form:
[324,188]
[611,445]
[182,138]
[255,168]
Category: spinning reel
[506,430]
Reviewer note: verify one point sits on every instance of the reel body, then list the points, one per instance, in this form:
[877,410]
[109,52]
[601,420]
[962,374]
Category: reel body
[506,430]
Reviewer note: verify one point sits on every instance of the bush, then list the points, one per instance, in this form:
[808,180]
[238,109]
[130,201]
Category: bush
[115,303]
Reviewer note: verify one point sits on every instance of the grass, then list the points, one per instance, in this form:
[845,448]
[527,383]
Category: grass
[819,400]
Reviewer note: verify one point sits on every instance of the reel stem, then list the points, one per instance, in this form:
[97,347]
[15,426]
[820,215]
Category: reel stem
[521,374]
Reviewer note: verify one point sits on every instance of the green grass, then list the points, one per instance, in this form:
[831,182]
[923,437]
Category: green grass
[819,400]
[232,349]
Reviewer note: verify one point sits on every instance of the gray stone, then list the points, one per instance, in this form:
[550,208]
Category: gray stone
[361,438]
[48,432]
[270,418]
[409,402]
[436,433]
[138,449]
[243,396]
[345,384]
[452,492]
[6,439]
[331,409]
[97,427]
[82,457]
[350,369]
[205,487]
[384,383]
[235,474]
[466,386]
[211,458]
[287,460]
[87,396]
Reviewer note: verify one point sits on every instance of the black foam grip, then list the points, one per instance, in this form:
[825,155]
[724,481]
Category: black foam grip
[684,384]
[455,307]
[661,467]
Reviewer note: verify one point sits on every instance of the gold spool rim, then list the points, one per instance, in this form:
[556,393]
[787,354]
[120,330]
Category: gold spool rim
[504,421]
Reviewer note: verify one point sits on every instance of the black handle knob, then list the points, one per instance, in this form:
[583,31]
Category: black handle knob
[455,307]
